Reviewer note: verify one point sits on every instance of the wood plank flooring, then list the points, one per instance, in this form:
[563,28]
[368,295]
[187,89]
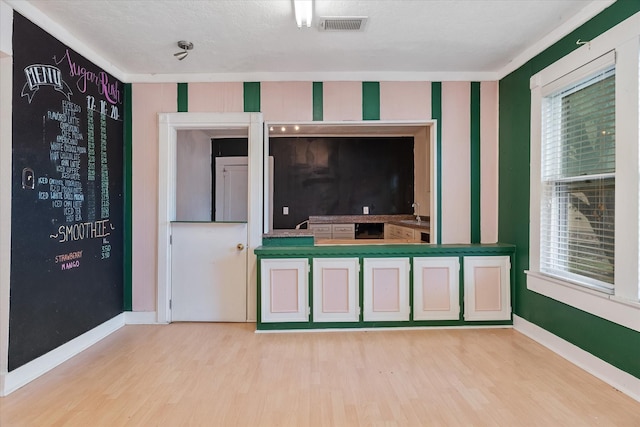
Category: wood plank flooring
[189,374]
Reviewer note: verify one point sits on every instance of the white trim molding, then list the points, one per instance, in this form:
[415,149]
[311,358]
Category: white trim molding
[617,378]
[141,318]
[11,381]
[168,126]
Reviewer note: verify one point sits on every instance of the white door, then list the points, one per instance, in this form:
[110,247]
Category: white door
[232,183]
[209,272]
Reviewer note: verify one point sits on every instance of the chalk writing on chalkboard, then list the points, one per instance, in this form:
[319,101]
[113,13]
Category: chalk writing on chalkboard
[67,194]
[44,75]
[106,87]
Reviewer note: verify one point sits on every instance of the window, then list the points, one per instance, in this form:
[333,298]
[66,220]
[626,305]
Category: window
[578,181]
[584,246]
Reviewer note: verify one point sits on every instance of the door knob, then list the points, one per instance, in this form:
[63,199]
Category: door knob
[240,246]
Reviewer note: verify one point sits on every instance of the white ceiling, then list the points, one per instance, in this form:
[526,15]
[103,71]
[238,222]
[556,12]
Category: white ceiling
[239,38]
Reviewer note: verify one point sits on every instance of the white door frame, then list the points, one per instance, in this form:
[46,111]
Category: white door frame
[169,124]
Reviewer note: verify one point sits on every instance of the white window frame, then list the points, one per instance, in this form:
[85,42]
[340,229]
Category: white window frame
[622,42]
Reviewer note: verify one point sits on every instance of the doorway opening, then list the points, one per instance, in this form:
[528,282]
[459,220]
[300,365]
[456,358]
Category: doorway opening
[226,125]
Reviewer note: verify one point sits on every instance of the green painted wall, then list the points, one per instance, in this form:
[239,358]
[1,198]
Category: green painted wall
[475,161]
[251,97]
[610,342]
[183,97]
[318,101]
[370,100]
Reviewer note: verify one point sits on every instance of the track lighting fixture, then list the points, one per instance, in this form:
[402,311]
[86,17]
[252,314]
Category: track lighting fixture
[186,47]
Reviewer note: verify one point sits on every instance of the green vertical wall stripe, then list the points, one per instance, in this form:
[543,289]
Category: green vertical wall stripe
[475,162]
[183,97]
[318,99]
[436,114]
[127,160]
[251,97]
[613,343]
[370,100]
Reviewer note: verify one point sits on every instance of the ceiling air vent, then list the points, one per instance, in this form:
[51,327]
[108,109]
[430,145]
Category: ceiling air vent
[342,23]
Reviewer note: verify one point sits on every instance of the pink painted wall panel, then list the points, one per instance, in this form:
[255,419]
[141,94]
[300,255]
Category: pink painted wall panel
[435,289]
[489,162]
[386,290]
[456,162]
[284,291]
[342,101]
[487,288]
[149,99]
[216,97]
[286,101]
[405,100]
[335,290]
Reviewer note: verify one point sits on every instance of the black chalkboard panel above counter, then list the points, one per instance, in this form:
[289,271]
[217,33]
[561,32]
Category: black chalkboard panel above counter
[67,184]
[340,176]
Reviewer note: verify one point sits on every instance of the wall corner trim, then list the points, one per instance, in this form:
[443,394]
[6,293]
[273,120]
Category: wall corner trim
[616,378]
[19,377]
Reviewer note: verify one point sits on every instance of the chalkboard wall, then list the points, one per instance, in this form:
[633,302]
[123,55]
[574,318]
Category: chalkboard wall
[340,175]
[66,246]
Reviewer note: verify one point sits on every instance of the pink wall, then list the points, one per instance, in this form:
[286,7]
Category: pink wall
[489,162]
[456,162]
[342,101]
[216,97]
[293,101]
[286,101]
[405,100]
[148,101]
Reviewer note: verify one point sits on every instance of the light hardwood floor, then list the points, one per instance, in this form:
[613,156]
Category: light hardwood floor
[226,375]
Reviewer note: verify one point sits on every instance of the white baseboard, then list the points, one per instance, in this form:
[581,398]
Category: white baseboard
[11,381]
[140,318]
[617,378]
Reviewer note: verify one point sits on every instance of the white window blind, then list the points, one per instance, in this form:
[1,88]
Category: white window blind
[578,181]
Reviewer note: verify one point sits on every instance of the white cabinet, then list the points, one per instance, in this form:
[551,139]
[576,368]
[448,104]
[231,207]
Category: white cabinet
[333,231]
[335,290]
[284,285]
[343,231]
[386,289]
[393,231]
[321,231]
[436,288]
[487,288]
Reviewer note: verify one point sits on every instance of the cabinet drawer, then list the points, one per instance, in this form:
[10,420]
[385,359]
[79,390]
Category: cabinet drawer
[344,228]
[406,233]
[320,228]
[321,231]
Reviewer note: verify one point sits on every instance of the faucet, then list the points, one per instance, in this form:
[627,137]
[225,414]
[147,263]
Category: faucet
[306,221]
[416,211]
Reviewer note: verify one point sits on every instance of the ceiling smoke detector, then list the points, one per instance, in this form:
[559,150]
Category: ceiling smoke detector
[342,23]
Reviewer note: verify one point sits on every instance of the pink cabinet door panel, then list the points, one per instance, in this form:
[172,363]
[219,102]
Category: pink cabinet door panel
[487,288]
[335,290]
[386,289]
[436,288]
[283,290]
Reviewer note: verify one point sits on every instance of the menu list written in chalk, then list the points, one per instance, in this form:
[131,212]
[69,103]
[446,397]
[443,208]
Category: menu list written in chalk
[67,195]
